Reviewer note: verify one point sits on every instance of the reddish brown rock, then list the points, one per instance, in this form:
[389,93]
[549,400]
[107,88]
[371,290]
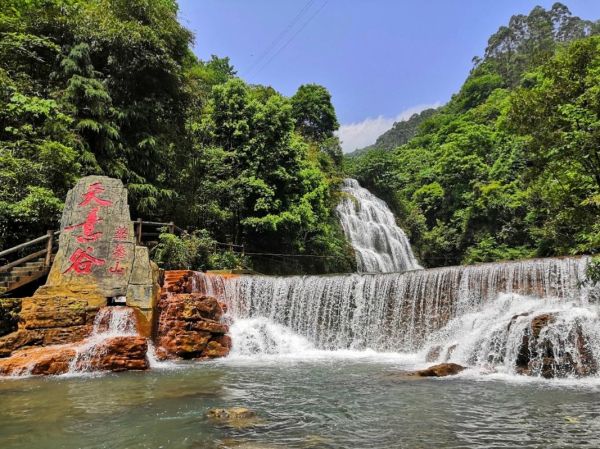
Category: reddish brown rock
[35,361]
[441,370]
[63,335]
[54,315]
[19,339]
[178,281]
[189,324]
[119,354]
[181,343]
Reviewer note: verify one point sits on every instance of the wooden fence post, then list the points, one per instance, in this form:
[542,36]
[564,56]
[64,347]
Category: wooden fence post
[171,227]
[49,245]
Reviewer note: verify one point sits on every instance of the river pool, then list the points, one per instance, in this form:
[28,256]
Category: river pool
[327,400]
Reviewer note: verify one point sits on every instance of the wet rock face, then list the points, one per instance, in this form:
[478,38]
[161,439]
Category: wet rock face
[115,354]
[190,327]
[120,354]
[55,315]
[541,355]
[35,361]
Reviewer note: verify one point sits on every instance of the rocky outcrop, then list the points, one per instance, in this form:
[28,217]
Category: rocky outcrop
[113,354]
[54,316]
[178,281]
[34,361]
[190,327]
[541,355]
[117,354]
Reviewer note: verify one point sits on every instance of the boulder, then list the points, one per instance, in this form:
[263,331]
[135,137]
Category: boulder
[34,361]
[440,370]
[189,324]
[119,354]
[54,315]
[97,240]
[537,355]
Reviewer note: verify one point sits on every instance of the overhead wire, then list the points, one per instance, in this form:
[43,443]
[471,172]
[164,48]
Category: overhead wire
[293,36]
[275,42]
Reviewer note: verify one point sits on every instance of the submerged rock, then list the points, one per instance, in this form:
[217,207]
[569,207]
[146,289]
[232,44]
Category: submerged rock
[237,417]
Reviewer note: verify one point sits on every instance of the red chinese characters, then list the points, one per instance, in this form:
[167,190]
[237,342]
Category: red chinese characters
[121,233]
[88,233]
[90,196]
[82,261]
[119,253]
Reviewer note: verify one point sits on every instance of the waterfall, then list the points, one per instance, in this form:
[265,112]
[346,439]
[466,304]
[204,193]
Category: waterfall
[402,312]
[380,245]
[109,322]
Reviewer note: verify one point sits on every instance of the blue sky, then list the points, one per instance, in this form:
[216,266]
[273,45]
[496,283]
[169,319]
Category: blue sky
[381,59]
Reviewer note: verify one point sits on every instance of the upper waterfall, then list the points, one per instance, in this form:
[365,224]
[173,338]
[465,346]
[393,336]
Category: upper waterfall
[380,245]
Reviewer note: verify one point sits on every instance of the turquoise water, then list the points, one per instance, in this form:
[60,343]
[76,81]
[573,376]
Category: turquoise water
[327,401]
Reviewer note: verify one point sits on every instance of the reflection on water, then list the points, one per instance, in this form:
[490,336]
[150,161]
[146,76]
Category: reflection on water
[327,402]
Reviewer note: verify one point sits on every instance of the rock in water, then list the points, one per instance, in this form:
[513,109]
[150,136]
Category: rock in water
[190,327]
[120,354]
[237,417]
[441,370]
[34,361]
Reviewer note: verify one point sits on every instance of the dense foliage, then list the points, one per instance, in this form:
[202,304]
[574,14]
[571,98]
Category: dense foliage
[510,167]
[111,87]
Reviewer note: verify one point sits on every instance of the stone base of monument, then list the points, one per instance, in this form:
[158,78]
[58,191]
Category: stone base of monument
[54,315]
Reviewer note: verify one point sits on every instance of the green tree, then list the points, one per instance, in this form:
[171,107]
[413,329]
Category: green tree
[313,112]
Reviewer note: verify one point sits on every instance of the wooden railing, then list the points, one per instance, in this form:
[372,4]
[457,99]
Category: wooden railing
[153,229]
[48,241]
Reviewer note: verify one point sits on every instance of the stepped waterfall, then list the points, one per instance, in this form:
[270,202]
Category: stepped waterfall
[475,315]
[380,245]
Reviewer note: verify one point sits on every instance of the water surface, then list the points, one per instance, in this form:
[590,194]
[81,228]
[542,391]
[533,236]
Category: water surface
[330,400]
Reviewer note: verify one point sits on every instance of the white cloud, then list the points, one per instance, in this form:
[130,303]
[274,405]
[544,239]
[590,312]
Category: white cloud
[361,134]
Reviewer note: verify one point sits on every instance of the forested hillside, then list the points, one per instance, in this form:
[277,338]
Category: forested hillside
[399,134]
[510,167]
[111,87]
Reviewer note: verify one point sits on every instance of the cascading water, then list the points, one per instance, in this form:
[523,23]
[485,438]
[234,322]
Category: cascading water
[517,334]
[109,322]
[475,315]
[380,245]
